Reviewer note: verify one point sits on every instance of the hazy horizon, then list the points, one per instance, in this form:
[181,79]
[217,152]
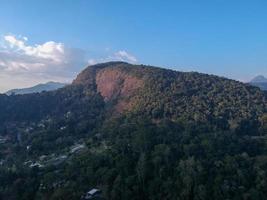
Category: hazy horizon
[29,85]
[45,41]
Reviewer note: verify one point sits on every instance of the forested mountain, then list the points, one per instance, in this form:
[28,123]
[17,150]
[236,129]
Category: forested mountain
[49,86]
[135,132]
[259,81]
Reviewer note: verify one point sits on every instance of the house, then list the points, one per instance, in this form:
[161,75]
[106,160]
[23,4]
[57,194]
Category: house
[77,148]
[41,125]
[93,194]
[36,164]
[2,162]
[2,140]
[57,160]
[28,129]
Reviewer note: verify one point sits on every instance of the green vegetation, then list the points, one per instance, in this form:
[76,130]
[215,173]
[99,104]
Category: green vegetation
[186,136]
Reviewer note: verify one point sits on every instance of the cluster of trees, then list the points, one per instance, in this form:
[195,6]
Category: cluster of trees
[188,136]
[138,159]
[195,97]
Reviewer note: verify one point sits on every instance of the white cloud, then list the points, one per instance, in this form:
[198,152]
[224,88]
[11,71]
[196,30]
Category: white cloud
[124,56]
[47,61]
[92,61]
[23,64]
[121,55]
[50,51]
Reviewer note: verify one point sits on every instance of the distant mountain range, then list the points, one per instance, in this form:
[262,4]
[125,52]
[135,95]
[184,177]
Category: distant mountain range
[259,81]
[49,86]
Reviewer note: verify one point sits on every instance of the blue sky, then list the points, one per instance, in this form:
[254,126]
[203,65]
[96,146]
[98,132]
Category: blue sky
[222,37]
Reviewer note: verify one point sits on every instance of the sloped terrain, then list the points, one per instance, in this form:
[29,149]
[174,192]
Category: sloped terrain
[49,86]
[259,81]
[135,132]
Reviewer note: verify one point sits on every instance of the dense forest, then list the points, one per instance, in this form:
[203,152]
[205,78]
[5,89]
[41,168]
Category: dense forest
[136,132]
[261,85]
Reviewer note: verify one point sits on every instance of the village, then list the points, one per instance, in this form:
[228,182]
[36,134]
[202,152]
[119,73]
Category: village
[53,159]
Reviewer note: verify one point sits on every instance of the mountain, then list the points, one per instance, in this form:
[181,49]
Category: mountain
[135,132]
[259,81]
[49,86]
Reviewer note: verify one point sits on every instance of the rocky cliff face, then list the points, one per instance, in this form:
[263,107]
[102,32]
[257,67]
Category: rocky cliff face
[115,81]
[155,91]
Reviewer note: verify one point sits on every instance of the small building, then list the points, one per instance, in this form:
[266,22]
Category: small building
[58,160]
[93,194]
[77,148]
[36,164]
[2,140]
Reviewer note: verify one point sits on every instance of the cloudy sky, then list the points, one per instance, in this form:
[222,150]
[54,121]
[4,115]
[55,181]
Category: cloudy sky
[47,40]
[23,65]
